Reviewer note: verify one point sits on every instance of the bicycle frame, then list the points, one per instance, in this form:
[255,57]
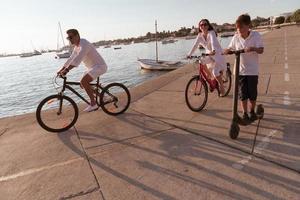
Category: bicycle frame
[213,83]
[67,85]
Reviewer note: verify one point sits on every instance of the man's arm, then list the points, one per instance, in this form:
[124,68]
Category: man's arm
[65,70]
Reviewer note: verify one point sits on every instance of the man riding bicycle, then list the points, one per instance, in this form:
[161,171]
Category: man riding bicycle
[95,64]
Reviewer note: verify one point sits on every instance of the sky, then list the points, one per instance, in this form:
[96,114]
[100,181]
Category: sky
[28,24]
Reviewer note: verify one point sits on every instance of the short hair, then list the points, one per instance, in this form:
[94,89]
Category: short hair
[73,31]
[243,19]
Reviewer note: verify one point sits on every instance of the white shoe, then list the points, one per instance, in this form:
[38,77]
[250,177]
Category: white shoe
[91,108]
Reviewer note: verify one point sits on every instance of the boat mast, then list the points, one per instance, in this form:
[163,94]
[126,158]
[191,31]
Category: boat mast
[57,42]
[156,40]
[62,37]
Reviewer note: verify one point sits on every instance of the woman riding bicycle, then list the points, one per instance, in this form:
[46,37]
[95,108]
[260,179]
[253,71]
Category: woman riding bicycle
[207,38]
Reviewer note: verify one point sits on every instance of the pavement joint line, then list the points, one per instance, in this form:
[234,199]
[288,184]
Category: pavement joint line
[287,77]
[35,170]
[225,144]
[89,162]
[81,193]
[261,146]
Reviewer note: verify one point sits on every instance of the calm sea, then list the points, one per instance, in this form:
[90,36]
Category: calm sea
[24,82]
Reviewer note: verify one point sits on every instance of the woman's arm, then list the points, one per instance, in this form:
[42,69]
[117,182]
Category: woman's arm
[196,44]
[213,40]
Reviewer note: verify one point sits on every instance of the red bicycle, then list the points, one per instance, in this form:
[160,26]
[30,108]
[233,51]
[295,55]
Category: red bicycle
[196,92]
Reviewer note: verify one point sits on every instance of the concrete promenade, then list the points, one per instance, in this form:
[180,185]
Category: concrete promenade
[160,149]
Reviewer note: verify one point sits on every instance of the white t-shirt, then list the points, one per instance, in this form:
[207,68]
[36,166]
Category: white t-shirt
[249,61]
[210,44]
[87,53]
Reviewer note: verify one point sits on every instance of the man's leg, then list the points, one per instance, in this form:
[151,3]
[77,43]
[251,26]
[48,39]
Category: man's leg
[85,83]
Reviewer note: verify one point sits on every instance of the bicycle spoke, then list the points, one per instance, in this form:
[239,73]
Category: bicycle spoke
[115,99]
[58,113]
[196,94]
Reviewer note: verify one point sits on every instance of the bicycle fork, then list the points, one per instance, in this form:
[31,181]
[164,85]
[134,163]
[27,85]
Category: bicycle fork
[60,103]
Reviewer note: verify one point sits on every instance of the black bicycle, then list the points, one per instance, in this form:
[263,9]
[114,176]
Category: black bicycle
[58,112]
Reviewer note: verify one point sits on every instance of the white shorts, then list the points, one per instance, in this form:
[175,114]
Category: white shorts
[96,71]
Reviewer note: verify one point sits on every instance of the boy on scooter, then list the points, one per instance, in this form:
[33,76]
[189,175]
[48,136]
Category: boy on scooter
[251,42]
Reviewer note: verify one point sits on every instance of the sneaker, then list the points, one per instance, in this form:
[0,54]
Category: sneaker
[243,120]
[91,108]
[253,116]
[245,117]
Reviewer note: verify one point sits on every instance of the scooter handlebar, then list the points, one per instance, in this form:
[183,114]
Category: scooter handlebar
[236,51]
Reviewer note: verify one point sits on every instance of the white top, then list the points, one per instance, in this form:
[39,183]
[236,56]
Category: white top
[87,53]
[249,61]
[210,44]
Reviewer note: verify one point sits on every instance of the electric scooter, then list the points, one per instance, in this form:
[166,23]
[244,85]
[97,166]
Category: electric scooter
[234,127]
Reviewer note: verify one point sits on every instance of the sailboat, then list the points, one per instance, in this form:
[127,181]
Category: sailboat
[30,54]
[64,53]
[150,64]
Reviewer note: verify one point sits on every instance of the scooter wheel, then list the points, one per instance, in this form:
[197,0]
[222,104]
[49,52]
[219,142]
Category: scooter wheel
[260,111]
[234,130]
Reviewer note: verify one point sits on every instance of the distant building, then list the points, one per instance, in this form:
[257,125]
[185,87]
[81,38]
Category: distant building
[285,15]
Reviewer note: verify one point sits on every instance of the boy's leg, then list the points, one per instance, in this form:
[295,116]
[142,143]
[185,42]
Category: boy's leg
[244,105]
[252,106]
[252,88]
[243,94]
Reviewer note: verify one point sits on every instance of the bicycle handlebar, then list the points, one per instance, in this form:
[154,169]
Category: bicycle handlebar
[198,57]
[60,76]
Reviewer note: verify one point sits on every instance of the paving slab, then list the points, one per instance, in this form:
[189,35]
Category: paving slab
[105,130]
[73,179]
[31,147]
[177,165]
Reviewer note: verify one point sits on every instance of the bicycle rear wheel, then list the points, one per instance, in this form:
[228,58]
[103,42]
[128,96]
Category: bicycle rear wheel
[196,94]
[57,113]
[227,81]
[115,99]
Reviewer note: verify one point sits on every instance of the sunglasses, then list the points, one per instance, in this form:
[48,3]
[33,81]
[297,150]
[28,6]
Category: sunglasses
[204,24]
[70,37]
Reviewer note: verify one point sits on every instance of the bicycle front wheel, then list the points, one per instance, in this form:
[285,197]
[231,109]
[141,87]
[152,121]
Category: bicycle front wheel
[57,113]
[196,94]
[115,99]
